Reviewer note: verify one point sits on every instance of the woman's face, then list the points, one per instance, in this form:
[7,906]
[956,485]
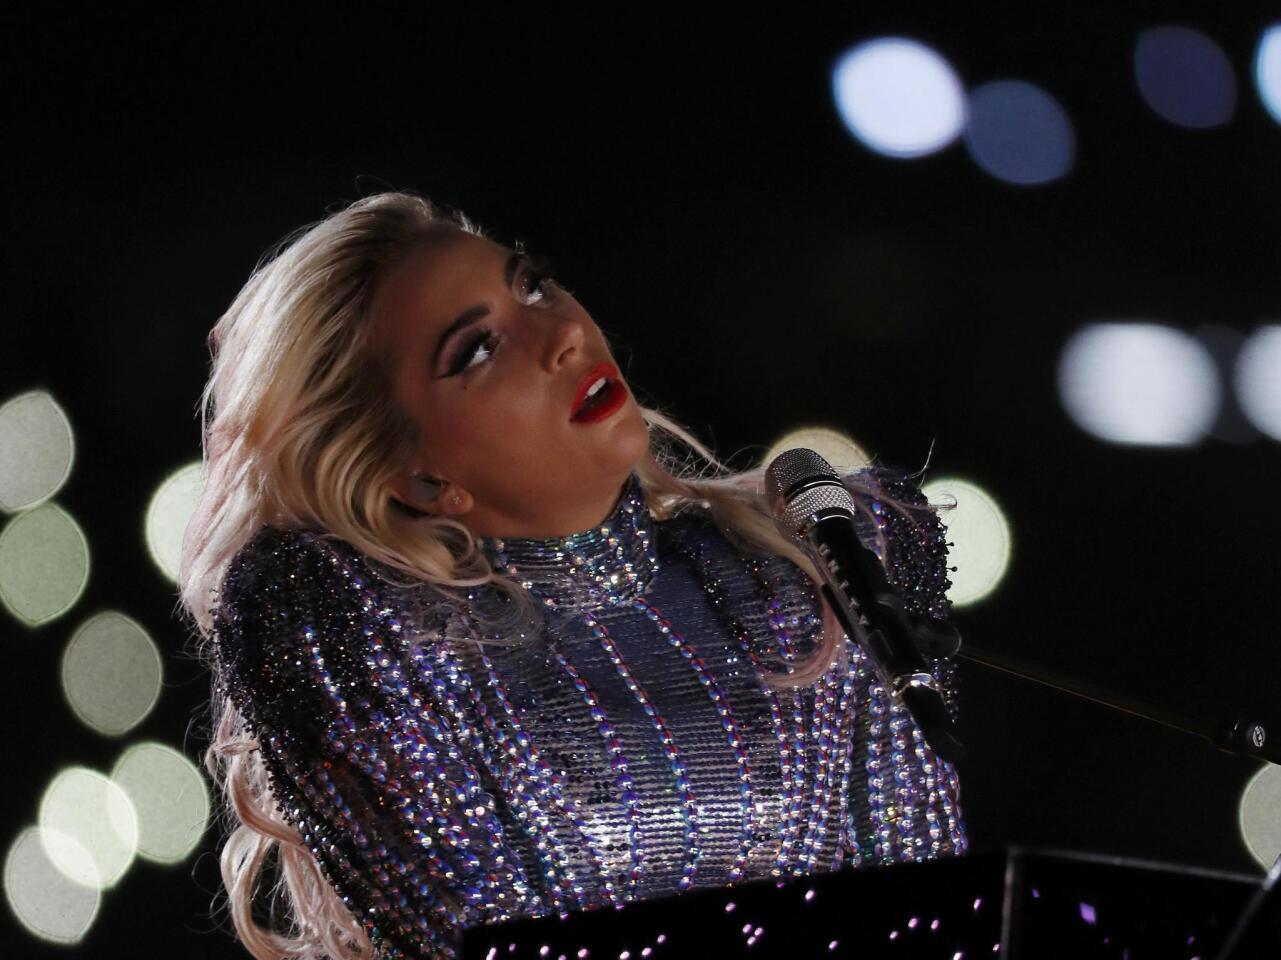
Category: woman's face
[489,359]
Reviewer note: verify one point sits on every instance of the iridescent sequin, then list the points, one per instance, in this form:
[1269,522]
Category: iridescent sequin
[630,751]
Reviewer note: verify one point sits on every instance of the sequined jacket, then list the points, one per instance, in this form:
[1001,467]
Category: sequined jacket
[632,750]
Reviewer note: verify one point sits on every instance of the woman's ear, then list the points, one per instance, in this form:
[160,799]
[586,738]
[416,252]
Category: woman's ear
[424,489]
[433,495]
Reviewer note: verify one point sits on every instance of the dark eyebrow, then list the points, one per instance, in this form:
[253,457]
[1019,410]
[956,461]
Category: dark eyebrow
[472,314]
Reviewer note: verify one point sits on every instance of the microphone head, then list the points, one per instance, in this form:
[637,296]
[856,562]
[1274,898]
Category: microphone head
[799,483]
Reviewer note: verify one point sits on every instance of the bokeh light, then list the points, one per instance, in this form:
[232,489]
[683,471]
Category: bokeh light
[1139,383]
[837,448]
[1018,133]
[37,449]
[99,820]
[169,795]
[168,513]
[1257,815]
[980,537]
[899,97]
[1257,379]
[1267,70]
[1185,77]
[44,564]
[111,673]
[47,903]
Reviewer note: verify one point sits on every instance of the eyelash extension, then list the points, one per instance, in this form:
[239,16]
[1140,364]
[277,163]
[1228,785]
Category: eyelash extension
[539,271]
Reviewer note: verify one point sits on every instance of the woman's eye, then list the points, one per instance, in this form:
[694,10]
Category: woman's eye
[482,347]
[533,286]
[536,278]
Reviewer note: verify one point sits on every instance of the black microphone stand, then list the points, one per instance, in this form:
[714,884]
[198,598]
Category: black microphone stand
[1241,733]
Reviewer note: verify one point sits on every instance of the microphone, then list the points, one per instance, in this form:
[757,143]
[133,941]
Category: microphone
[818,511]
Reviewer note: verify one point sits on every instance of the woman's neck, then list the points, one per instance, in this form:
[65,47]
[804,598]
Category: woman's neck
[607,564]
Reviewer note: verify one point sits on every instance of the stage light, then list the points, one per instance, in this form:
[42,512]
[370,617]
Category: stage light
[1139,383]
[835,447]
[44,564]
[44,900]
[111,673]
[99,819]
[37,449]
[171,800]
[1185,77]
[1019,133]
[1267,70]
[168,513]
[1257,815]
[980,536]
[899,97]
[1257,378]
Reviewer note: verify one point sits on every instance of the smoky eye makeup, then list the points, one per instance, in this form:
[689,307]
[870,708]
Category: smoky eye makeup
[484,340]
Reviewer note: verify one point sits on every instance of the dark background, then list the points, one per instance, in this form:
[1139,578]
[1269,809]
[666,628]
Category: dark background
[756,269]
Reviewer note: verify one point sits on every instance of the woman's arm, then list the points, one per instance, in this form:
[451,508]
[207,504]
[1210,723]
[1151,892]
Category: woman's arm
[364,756]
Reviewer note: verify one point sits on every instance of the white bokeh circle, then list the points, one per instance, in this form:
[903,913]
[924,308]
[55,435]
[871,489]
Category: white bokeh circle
[46,902]
[44,564]
[111,673]
[168,513]
[1139,383]
[899,97]
[37,450]
[979,534]
[1257,379]
[1267,70]
[170,797]
[1257,815]
[90,830]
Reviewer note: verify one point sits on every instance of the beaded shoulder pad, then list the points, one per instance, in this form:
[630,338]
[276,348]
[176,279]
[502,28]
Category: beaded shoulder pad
[910,539]
[282,590]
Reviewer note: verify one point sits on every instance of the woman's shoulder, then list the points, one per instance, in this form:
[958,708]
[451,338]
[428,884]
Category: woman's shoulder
[306,568]
[285,591]
[284,580]
[274,552]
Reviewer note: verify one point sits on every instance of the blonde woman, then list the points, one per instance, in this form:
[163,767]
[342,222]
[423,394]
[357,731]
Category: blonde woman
[486,643]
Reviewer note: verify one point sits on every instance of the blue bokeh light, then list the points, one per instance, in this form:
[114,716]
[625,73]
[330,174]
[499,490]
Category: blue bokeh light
[1019,133]
[1185,77]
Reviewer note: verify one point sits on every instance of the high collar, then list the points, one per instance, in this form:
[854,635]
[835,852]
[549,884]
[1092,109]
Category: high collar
[612,563]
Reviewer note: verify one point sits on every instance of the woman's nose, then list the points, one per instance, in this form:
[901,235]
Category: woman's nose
[567,336]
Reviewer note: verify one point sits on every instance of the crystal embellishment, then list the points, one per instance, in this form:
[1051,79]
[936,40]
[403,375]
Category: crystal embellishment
[611,564]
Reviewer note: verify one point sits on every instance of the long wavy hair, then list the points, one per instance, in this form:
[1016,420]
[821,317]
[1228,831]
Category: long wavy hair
[298,430]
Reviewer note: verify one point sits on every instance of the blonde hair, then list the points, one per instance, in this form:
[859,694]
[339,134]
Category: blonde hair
[298,431]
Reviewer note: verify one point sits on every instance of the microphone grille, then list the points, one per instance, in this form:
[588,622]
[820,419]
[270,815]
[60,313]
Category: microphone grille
[822,487]
[791,467]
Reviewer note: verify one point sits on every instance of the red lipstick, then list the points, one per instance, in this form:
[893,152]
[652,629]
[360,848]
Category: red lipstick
[607,398]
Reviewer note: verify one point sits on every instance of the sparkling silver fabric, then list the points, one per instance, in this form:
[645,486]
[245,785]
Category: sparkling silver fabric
[630,749]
